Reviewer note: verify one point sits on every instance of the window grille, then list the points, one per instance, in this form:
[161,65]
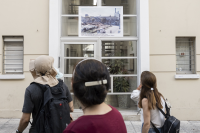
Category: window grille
[185,55]
[13,53]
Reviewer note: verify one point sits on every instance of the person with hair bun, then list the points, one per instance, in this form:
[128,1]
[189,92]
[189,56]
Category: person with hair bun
[90,83]
[148,96]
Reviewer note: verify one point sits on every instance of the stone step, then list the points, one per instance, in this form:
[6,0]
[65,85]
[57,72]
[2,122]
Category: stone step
[128,115]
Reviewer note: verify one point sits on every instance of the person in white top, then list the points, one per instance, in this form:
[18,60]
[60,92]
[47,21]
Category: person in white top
[147,96]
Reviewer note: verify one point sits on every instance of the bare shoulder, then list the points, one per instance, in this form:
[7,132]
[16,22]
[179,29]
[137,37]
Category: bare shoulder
[144,101]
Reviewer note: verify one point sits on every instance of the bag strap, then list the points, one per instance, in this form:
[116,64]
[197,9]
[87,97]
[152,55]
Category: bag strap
[166,115]
[37,114]
[154,127]
[167,110]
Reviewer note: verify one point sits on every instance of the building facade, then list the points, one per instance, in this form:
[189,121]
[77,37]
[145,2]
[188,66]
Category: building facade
[160,36]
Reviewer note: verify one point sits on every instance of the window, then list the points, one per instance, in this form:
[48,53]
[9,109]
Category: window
[120,55]
[71,6]
[185,55]
[129,6]
[13,53]
[73,53]
[69,15]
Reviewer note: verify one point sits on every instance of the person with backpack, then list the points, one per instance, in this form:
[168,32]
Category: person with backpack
[153,107]
[90,83]
[46,98]
[59,76]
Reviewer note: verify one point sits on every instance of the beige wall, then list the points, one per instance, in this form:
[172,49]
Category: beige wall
[28,18]
[169,19]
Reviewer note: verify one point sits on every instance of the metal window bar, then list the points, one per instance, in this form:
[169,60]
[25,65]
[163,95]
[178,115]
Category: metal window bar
[185,55]
[13,57]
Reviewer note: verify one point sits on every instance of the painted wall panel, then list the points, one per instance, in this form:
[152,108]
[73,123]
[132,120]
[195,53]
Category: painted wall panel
[29,19]
[159,63]
[169,19]
[182,95]
[12,96]
[198,63]
[1,64]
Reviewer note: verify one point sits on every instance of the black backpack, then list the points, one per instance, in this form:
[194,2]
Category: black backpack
[54,113]
[171,125]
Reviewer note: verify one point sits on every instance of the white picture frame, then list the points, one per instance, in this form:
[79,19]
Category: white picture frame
[100,21]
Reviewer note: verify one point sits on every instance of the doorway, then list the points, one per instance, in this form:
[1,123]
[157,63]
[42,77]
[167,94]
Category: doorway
[120,57]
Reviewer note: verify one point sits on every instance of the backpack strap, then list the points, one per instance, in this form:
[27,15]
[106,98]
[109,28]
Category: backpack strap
[166,115]
[167,110]
[154,127]
[41,104]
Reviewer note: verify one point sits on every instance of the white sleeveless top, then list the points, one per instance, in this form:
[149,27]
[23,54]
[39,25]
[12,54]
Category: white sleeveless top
[157,118]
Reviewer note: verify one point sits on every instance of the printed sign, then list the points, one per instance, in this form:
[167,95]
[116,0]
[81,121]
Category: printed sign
[101,21]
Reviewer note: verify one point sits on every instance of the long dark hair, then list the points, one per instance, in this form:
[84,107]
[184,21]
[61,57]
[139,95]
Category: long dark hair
[88,71]
[148,81]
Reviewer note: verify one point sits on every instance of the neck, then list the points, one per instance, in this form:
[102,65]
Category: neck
[96,109]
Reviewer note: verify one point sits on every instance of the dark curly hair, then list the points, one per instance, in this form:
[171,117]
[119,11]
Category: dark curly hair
[88,71]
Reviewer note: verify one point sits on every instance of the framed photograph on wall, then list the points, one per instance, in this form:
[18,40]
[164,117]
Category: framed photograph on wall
[101,21]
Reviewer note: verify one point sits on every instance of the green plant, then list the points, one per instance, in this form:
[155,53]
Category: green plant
[120,84]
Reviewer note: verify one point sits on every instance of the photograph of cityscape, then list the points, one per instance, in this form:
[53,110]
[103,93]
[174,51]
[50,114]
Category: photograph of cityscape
[101,21]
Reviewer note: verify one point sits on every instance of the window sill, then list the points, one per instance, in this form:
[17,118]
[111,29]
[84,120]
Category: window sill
[12,76]
[187,76]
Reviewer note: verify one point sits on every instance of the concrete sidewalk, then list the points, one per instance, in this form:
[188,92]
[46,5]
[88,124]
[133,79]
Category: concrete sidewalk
[10,126]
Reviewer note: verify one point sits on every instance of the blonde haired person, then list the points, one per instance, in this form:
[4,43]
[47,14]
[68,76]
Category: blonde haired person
[148,95]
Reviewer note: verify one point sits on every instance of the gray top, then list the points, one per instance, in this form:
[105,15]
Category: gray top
[33,97]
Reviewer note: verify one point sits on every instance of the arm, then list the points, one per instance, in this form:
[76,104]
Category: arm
[24,122]
[69,98]
[27,109]
[135,95]
[146,115]
[71,106]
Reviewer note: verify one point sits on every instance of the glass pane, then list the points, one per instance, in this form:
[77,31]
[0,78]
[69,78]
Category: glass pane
[121,66]
[70,64]
[67,81]
[119,48]
[76,103]
[69,26]
[121,102]
[130,26]
[129,6]
[71,6]
[185,68]
[113,100]
[79,50]
[124,84]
